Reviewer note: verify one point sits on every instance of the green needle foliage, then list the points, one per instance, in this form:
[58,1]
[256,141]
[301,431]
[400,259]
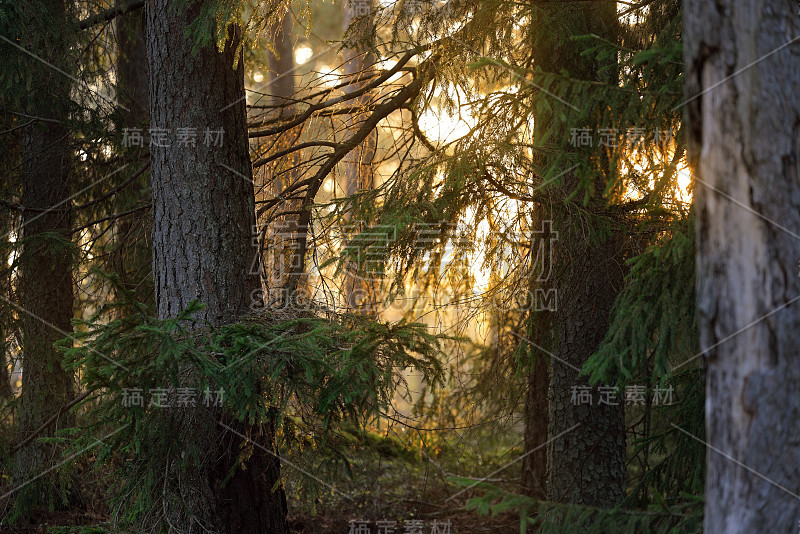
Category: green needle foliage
[653,341]
[654,326]
[538,516]
[311,373]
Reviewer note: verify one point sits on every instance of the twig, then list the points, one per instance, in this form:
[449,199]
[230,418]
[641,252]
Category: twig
[111,217]
[110,13]
[50,421]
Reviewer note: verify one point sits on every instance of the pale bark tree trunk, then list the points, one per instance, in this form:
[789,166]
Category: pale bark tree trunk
[45,267]
[586,443]
[203,217]
[744,126]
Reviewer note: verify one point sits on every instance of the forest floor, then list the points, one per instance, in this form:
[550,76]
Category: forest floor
[432,516]
[374,493]
[452,521]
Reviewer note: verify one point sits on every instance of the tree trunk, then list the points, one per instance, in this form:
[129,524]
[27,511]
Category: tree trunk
[132,257]
[281,64]
[534,464]
[540,331]
[6,318]
[45,274]
[203,217]
[6,393]
[133,83]
[359,66]
[280,236]
[743,115]
[586,443]
[586,447]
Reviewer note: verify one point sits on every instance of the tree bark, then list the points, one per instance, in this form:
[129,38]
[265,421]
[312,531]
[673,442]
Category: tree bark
[534,465]
[45,264]
[743,117]
[281,64]
[586,442]
[540,331]
[132,256]
[203,217]
[586,445]
[133,82]
[6,318]
[6,393]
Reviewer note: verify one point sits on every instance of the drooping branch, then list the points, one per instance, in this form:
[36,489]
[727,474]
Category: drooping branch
[326,113]
[115,190]
[110,14]
[333,101]
[120,215]
[20,208]
[49,422]
[404,95]
[295,148]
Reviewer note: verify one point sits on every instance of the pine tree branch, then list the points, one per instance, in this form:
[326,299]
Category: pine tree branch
[333,101]
[143,207]
[20,208]
[110,14]
[115,190]
[406,94]
[49,422]
[277,155]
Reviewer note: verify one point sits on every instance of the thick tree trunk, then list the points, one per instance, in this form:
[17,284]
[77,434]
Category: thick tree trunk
[203,205]
[45,270]
[742,58]
[586,447]
[586,442]
[203,217]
